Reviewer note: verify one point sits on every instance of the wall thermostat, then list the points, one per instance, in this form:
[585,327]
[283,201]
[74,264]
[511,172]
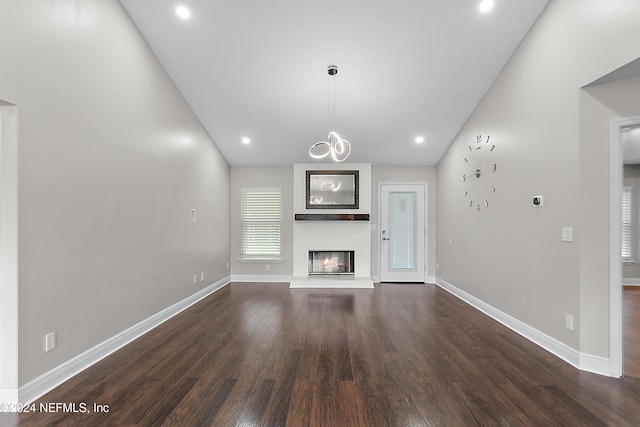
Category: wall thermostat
[538,200]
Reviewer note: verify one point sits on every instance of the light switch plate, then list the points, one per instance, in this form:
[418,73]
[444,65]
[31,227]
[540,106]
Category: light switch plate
[50,341]
[567,234]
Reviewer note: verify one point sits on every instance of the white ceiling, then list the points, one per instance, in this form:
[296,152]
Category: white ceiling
[258,69]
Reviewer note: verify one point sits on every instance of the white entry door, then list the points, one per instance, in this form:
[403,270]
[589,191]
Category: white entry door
[402,233]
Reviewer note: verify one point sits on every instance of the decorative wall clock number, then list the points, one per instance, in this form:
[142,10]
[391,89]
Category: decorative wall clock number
[479,165]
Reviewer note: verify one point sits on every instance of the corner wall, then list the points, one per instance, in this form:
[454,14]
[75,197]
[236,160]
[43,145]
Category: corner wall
[511,255]
[111,162]
[8,253]
[598,105]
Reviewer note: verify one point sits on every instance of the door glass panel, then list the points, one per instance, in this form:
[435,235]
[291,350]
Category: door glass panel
[402,253]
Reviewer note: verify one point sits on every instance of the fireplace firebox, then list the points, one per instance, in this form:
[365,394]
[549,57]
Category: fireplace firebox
[331,262]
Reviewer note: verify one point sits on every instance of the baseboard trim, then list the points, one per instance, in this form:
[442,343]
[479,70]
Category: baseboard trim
[260,278]
[9,395]
[596,364]
[631,281]
[582,361]
[58,375]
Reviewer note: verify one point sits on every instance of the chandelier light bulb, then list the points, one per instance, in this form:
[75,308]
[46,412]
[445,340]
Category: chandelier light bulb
[338,148]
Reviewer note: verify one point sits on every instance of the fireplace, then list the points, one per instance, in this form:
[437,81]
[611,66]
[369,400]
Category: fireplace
[331,263]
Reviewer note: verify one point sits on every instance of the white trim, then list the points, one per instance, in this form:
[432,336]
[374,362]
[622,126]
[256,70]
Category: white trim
[628,281]
[427,231]
[585,362]
[261,258]
[260,278]
[616,352]
[9,358]
[9,395]
[595,364]
[52,379]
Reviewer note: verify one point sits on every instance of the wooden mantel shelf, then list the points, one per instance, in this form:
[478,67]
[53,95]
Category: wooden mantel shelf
[332,217]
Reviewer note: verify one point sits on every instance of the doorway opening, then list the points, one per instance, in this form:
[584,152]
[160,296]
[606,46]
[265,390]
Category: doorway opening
[624,245]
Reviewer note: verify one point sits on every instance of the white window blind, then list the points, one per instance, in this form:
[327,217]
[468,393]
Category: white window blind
[626,223]
[261,223]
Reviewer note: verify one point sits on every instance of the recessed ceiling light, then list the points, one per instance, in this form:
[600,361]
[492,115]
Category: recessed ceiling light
[183,12]
[246,140]
[420,140]
[486,6]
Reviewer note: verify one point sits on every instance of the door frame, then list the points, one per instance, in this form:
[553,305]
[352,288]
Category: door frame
[616,170]
[9,382]
[425,241]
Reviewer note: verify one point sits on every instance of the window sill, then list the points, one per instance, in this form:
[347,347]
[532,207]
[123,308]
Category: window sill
[261,259]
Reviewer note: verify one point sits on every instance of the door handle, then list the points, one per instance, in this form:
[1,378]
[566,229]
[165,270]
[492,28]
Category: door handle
[385,238]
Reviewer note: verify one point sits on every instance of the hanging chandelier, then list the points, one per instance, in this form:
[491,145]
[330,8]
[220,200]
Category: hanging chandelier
[338,148]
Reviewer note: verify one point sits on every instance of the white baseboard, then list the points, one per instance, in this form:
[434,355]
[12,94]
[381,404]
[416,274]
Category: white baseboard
[627,281]
[582,361]
[260,278]
[50,380]
[9,395]
[596,364]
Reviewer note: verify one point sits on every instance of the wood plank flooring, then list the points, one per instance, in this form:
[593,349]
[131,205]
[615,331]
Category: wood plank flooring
[631,321]
[397,355]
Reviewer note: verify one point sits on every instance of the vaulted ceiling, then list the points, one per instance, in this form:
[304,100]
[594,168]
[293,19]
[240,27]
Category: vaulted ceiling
[407,69]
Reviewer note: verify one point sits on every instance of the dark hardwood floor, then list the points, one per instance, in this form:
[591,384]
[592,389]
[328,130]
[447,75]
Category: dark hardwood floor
[631,321]
[396,355]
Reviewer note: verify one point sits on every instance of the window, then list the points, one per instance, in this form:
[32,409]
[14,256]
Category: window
[261,218]
[626,223]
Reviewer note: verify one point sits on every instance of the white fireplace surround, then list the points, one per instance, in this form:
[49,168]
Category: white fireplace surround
[331,235]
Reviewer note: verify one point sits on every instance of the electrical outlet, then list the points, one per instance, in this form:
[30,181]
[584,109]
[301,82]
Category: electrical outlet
[568,322]
[227,265]
[194,215]
[50,341]
[195,279]
[202,276]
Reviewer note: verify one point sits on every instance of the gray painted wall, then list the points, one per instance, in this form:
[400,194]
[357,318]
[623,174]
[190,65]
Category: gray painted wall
[283,177]
[510,255]
[111,162]
[598,105]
